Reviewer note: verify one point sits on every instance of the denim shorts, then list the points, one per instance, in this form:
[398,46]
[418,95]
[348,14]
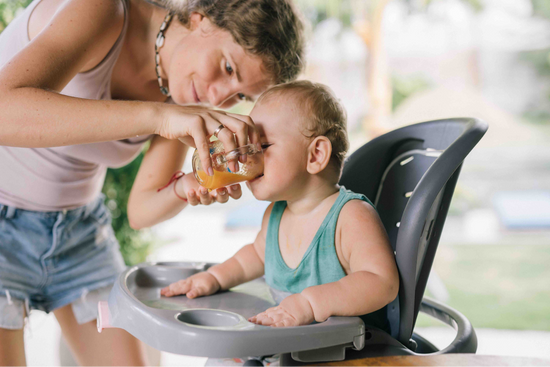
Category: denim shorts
[52,259]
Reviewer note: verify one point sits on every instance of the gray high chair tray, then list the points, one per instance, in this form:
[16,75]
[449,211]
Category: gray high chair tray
[216,326]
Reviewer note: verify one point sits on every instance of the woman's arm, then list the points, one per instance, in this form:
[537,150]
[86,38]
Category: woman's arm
[35,114]
[148,206]
[81,32]
[372,282]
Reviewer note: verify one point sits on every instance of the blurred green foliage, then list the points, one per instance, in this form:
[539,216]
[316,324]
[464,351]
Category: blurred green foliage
[541,8]
[497,287]
[540,60]
[403,87]
[315,11]
[9,10]
[477,5]
[134,245]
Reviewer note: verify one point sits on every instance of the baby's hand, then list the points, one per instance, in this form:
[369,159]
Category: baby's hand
[197,194]
[200,284]
[295,310]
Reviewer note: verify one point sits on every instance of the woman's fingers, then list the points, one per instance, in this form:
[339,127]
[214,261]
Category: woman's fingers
[227,138]
[200,136]
[237,131]
[237,127]
[252,132]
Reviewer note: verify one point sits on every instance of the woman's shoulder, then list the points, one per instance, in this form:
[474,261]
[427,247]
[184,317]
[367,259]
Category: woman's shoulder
[88,22]
[98,12]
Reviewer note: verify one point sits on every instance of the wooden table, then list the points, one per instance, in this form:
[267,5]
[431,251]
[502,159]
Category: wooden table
[443,360]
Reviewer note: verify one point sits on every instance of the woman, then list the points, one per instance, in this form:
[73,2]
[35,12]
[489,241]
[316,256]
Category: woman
[82,88]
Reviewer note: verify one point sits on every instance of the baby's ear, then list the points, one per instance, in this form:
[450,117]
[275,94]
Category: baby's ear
[319,152]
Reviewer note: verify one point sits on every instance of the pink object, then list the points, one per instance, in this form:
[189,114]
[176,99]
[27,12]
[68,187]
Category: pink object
[103,316]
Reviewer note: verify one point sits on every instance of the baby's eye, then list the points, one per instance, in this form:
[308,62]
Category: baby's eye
[241,96]
[266,145]
[228,67]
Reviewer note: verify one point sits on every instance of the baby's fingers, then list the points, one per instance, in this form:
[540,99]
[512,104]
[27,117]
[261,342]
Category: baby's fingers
[197,292]
[192,198]
[221,196]
[235,191]
[174,289]
[285,323]
[205,197]
[263,319]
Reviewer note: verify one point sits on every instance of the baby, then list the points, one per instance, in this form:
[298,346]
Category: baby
[324,244]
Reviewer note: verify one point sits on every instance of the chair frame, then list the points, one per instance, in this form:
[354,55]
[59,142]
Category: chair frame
[363,172]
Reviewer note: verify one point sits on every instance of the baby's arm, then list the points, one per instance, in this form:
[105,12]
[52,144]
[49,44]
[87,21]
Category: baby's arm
[247,264]
[371,283]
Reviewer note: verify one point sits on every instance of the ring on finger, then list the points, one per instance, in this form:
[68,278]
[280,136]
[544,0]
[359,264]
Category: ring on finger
[218,130]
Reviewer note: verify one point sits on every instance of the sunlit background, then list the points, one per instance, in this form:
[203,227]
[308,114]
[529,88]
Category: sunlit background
[394,63]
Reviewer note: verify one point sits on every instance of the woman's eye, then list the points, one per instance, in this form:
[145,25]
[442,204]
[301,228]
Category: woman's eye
[241,96]
[228,67]
[266,145]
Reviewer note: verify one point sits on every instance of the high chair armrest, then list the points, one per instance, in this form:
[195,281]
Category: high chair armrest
[465,340]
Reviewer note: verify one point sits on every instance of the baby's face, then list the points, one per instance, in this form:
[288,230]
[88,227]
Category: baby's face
[285,148]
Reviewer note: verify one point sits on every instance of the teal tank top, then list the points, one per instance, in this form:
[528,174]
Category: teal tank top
[320,264]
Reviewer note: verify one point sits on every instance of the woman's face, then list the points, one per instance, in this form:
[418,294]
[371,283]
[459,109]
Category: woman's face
[208,67]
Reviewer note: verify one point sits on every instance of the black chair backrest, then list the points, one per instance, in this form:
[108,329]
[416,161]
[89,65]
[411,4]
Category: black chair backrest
[410,175]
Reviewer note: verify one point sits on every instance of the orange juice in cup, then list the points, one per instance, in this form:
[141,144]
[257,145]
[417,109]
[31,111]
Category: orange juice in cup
[247,162]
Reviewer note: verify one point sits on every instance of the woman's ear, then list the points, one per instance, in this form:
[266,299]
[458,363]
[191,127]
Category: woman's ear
[195,20]
[319,152]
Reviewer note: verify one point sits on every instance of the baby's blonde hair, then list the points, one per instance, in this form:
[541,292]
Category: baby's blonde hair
[322,113]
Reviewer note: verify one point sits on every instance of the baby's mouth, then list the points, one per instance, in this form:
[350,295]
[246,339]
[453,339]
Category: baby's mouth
[257,178]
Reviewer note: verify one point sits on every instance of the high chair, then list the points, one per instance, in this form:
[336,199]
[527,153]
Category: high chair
[410,175]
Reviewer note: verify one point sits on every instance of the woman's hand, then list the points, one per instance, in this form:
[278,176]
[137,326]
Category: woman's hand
[200,284]
[193,125]
[197,194]
[295,310]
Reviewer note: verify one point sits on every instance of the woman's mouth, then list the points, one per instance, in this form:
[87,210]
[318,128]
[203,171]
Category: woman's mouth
[195,95]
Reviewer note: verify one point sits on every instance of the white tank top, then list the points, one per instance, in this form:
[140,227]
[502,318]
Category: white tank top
[52,179]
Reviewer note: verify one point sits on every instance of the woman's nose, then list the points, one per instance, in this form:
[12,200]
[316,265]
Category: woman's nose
[219,94]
